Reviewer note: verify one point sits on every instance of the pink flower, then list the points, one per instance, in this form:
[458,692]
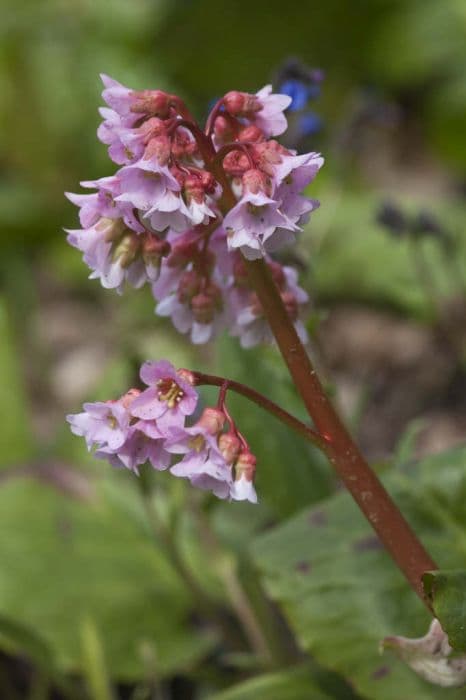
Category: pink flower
[249,323]
[115,131]
[297,171]
[195,307]
[243,485]
[252,221]
[114,254]
[203,462]
[104,424]
[145,184]
[169,398]
[264,109]
[144,443]
[270,118]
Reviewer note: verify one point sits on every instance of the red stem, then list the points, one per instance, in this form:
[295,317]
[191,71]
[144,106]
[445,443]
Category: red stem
[363,484]
[260,400]
[378,507]
[209,125]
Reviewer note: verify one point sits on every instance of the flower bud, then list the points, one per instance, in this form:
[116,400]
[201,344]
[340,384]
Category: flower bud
[229,445]
[188,286]
[154,249]
[114,228]
[212,420]
[235,163]
[193,189]
[155,102]
[182,253]
[241,104]
[268,154]
[205,304]
[245,466]
[187,376]
[291,304]
[251,133]
[223,129]
[183,145]
[127,249]
[151,128]
[160,147]
[127,399]
[256,181]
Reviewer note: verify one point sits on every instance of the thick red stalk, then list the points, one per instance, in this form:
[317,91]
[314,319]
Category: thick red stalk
[358,477]
[363,484]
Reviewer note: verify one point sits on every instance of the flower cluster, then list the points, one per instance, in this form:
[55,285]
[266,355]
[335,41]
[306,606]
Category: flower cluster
[186,206]
[150,426]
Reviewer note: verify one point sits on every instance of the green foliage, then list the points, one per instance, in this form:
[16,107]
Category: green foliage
[318,564]
[71,564]
[85,587]
[290,684]
[447,590]
[15,436]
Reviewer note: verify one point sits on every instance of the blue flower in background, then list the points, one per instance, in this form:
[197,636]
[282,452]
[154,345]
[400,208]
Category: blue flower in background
[309,123]
[303,85]
[298,91]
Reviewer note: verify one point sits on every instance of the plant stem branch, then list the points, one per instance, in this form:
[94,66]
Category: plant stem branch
[363,484]
[265,403]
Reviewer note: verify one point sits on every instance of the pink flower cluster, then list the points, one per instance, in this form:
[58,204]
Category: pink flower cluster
[150,426]
[186,206]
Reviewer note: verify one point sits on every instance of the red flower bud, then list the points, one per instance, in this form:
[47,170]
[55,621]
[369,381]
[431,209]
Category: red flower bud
[154,102]
[241,104]
[245,466]
[154,249]
[223,129]
[188,286]
[160,147]
[256,181]
[230,446]
[251,133]
[212,420]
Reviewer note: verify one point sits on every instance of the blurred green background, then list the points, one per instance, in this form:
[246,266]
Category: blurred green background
[111,590]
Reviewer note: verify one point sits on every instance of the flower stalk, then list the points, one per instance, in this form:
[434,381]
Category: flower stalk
[372,498]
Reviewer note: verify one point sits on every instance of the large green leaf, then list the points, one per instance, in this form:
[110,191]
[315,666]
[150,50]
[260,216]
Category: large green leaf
[68,562]
[290,684]
[447,590]
[341,592]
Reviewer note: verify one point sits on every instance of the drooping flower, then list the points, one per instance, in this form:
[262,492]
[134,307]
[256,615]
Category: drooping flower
[202,462]
[252,222]
[243,485]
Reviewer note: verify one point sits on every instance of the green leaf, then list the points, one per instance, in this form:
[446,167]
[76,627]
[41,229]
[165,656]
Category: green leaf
[15,437]
[447,590]
[94,663]
[92,559]
[342,593]
[290,684]
[18,638]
